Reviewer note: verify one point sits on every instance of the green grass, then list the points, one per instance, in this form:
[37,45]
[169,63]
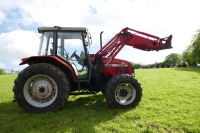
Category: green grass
[170,104]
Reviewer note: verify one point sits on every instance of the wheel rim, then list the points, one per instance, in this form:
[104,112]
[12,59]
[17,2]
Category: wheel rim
[40,91]
[125,94]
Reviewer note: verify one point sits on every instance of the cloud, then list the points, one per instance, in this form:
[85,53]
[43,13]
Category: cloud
[2,65]
[157,17]
[18,44]
[2,17]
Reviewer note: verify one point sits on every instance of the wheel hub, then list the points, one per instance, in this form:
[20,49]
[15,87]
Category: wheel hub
[123,92]
[42,90]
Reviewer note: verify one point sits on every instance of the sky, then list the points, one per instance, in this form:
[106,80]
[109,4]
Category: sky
[19,20]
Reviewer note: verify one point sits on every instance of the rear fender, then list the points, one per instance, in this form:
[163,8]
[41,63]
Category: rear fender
[54,60]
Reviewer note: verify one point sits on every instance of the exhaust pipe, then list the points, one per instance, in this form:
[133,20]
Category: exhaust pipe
[101,40]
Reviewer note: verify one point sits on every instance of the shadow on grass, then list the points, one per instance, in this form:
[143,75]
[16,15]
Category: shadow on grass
[80,114]
[190,69]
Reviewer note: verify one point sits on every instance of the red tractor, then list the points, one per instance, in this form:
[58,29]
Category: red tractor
[64,67]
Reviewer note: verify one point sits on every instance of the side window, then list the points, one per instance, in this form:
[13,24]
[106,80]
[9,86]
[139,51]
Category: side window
[47,46]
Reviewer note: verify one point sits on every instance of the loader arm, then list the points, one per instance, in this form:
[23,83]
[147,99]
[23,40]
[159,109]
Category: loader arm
[136,39]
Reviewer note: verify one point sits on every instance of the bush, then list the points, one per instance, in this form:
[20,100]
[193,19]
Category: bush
[185,64]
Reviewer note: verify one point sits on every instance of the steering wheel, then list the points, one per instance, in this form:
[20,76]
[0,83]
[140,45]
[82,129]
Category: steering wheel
[73,54]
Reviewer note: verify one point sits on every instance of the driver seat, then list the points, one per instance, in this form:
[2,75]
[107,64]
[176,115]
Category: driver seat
[81,61]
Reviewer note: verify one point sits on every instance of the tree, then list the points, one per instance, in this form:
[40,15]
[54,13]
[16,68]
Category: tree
[2,71]
[136,65]
[195,54]
[174,59]
[186,56]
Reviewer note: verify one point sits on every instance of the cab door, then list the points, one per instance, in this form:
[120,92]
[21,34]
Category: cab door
[71,47]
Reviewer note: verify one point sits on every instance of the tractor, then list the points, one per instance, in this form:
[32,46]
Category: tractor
[64,67]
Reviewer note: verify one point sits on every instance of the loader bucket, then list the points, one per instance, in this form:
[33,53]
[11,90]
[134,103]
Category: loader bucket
[166,42]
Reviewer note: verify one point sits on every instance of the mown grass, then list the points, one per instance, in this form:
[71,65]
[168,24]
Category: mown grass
[170,104]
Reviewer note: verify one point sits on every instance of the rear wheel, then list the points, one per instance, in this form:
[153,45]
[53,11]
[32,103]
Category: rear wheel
[41,88]
[123,91]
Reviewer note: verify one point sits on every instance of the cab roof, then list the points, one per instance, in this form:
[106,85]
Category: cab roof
[58,28]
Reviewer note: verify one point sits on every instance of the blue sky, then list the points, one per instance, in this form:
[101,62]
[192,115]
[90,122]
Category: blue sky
[19,20]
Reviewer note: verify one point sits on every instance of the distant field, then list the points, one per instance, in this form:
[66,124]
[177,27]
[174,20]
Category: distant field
[170,104]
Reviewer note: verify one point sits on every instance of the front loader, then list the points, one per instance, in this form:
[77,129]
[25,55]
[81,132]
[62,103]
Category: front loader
[64,67]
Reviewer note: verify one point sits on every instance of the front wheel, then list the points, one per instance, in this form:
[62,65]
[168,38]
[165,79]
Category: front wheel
[41,88]
[123,91]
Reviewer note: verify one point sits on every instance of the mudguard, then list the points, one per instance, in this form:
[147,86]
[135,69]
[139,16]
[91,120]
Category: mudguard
[63,65]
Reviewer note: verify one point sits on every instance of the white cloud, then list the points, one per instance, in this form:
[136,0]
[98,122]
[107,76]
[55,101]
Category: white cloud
[2,17]
[2,65]
[18,44]
[15,62]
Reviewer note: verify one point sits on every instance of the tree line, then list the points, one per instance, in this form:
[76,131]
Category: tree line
[11,71]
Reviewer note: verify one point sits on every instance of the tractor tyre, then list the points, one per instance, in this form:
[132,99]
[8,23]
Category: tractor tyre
[41,88]
[123,91]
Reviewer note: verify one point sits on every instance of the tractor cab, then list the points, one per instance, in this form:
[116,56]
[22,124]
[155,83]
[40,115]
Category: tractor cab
[70,45]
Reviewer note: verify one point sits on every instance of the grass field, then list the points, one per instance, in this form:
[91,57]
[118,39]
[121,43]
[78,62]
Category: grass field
[170,104]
